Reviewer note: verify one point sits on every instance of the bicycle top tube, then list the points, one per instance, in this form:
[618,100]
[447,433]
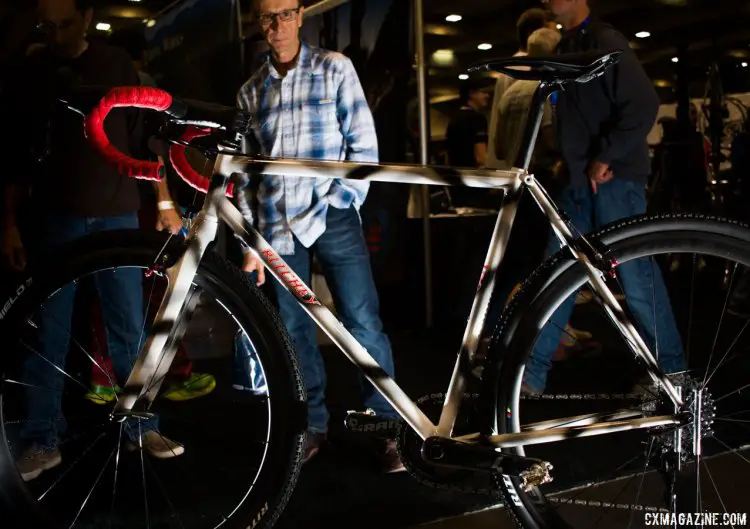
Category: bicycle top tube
[208,126]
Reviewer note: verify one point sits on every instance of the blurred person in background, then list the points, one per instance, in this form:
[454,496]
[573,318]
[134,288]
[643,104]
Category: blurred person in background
[71,191]
[529,21]
[466,135]
[160,211]
[602,128]
[466,143]
[513,112]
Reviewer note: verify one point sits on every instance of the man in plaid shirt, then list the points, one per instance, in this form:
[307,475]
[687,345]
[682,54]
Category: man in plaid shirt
[309,103]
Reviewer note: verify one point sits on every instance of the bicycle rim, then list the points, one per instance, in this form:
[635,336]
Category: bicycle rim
[241,440]
[627,479]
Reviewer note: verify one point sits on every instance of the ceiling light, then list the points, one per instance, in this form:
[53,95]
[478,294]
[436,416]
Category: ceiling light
[675,59]
[453,18]
[485,46]
[103,26]
[463,77]
[559,26]
[744,65]
[443,57]
[135,1]
[643,34]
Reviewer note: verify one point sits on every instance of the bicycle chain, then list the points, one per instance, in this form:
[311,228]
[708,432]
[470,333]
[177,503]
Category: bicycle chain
[587,396]
[493,488]
[405,437]
[606,505]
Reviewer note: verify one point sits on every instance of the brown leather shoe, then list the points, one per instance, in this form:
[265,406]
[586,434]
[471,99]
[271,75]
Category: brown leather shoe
[312,444]
[390,462]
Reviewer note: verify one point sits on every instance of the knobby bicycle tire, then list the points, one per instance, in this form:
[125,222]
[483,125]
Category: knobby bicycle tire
[541,294]
[278,476]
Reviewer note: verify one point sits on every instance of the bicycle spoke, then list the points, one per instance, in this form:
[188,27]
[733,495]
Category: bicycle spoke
[43,388]
[143,473]
[716,489]
[77,343]
[718,327]
[734,342]
[117,469]
[166,496]
[91,491]
[59,369]
[67,471]
[643,477]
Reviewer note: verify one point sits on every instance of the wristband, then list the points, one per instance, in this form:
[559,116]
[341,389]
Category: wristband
[165,204]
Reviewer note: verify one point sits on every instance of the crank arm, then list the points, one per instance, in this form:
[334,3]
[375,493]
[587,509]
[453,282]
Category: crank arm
[446,452]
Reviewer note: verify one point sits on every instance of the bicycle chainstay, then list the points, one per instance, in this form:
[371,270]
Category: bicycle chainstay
[491,487]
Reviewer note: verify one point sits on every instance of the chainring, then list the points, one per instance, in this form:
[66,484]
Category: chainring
[457,480]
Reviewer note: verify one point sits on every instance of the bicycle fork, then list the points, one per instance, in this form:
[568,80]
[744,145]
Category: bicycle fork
[153,363]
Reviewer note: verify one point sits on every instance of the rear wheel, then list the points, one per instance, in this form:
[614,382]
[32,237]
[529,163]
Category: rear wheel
[626,479]
[241,422]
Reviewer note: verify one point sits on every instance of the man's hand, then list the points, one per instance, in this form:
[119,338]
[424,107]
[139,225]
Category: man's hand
[253,264]
[168,219]
[12,248]
[599,173]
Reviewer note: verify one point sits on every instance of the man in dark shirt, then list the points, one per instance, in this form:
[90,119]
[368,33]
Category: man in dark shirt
[72,191]
[466,141]
[466,135]
[602,128]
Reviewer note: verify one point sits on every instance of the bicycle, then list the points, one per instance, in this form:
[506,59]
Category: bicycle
[678,418]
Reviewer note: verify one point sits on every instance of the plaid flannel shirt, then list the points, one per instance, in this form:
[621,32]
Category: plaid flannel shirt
[317,111]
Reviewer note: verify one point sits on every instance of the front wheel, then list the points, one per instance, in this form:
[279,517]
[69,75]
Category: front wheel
[233,398]
[682,300]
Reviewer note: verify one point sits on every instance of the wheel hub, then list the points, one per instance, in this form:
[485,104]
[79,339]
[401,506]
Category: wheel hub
[122,416]
[699,412]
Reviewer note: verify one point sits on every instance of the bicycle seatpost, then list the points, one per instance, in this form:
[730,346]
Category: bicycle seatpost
[534,123]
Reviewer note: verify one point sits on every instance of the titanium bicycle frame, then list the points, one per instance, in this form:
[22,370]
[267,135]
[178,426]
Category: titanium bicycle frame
[159,350]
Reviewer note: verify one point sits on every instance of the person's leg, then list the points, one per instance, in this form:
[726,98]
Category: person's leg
[303,332]
[342,251]
[121,299]
[641,279]
[182,382]
[102,382]
[44,421]
[577,204]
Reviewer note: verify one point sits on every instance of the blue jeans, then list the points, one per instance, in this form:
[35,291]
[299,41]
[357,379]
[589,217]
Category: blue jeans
[121,298]
[641,280]
[343,255]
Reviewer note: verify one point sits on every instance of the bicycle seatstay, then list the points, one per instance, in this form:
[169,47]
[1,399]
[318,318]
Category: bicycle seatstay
[612,307]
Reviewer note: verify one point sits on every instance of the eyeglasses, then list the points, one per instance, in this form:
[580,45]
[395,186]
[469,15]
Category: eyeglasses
[48,27]
[287,15]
